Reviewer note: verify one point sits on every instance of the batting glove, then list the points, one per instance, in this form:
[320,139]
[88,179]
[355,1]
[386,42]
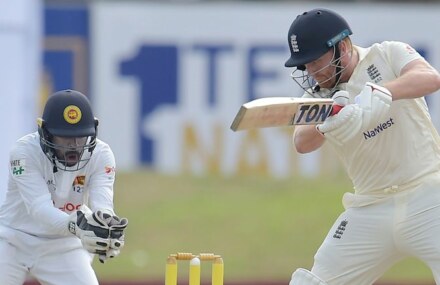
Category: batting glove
[344,125]
[91,229]
[375,102]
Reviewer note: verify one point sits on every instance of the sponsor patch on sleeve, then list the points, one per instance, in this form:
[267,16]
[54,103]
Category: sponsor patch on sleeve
[109,169]
[110,172]
[18,167]
[410,49]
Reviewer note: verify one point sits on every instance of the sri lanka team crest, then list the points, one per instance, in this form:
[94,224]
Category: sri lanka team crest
[78,184]
[79,181]
[72,114]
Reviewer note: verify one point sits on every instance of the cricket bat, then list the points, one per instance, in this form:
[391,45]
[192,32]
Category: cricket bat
[281,111]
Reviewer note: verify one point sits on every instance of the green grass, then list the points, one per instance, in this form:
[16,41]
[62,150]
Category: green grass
[263,228]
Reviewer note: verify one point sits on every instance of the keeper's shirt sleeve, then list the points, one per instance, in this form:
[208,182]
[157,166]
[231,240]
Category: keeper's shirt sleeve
[34,191]
[101,180]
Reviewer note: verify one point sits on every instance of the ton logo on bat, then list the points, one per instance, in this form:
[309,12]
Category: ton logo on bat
[311,113]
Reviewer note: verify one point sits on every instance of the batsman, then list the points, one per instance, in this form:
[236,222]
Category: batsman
[386,141]
[58,212]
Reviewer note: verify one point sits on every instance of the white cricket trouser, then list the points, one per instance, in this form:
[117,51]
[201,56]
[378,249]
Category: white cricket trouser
[50,261]
[365,242]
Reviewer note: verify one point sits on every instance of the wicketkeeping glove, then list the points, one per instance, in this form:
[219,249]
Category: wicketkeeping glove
[117,227]
[91,229]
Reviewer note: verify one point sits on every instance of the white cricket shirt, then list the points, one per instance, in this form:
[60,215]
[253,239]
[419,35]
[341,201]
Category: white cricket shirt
[399,150]
[33,183]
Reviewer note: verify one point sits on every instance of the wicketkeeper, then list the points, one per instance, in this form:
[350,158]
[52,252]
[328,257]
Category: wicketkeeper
[58,211]
[386,141]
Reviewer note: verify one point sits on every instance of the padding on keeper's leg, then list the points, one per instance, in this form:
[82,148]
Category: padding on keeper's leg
[304,277]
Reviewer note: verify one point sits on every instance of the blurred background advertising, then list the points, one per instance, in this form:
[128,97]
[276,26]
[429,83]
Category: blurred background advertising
[166,79]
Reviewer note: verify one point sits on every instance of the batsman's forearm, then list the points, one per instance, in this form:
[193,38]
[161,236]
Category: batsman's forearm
[417,79]
[307,139]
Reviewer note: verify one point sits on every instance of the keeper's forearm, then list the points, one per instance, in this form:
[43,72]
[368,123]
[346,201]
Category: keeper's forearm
[49,215]
[307,139]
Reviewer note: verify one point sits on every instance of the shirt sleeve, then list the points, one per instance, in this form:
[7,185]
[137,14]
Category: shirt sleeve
[399,54]
[28,176]
[101,180]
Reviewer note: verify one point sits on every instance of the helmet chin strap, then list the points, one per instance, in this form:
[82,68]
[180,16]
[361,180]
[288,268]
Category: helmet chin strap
[55,168]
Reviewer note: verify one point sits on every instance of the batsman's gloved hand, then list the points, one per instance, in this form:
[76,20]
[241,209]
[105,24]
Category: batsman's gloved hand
[375,102]
[344,125]
[117,227]
[91,228]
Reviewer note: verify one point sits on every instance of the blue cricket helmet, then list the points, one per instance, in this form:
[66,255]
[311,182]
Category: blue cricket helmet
[312,34]
[67,113]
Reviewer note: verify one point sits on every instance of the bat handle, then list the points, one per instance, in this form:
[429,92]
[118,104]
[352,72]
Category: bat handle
[335,109]
[340,100]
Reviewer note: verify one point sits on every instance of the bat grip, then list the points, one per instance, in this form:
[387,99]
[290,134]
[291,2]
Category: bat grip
[335,109]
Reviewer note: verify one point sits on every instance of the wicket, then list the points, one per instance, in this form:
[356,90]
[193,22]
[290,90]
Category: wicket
[194,267]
